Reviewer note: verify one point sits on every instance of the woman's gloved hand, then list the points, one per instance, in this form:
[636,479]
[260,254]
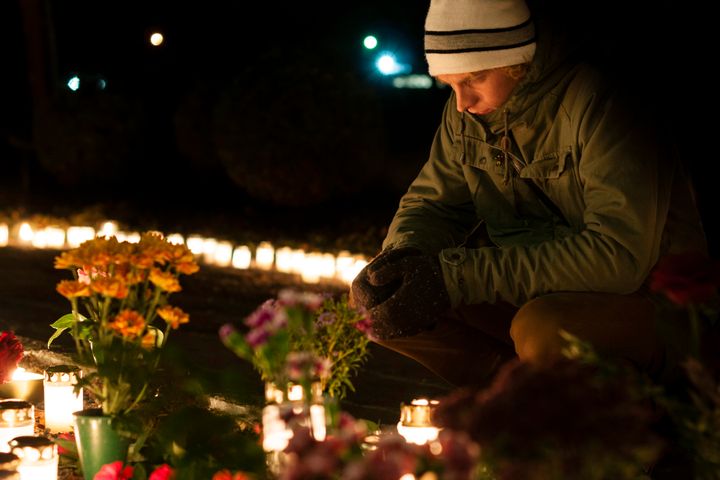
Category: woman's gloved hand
[367,294]
[408,293]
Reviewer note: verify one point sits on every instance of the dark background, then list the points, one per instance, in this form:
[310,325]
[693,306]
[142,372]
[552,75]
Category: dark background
[275,118]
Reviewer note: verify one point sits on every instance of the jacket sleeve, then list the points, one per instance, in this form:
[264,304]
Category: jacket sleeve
[436,211]
[625,188]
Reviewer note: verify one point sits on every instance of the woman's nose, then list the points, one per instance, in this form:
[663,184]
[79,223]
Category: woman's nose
[463,100]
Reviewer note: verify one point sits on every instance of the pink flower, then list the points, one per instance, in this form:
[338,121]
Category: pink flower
[114,471]
[163,472]
[11,352]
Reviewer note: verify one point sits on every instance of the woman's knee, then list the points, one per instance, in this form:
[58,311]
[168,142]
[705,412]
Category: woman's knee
[535,330]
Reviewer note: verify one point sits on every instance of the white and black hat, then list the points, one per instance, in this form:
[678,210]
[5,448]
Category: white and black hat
[463,36]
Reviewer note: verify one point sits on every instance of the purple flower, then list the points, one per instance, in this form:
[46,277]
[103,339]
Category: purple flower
[262,315]
[257,337]
[225,331]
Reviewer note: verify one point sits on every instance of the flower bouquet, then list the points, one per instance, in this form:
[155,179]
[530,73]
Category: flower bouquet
[118,293]
[303,337]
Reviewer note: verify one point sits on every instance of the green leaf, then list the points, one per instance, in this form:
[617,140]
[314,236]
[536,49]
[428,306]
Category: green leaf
[60,325]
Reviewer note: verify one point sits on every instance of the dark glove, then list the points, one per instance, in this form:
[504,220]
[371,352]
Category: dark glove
[416,304]
[367,294]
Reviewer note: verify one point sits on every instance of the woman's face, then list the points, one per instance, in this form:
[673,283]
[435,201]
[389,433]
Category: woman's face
[480,92]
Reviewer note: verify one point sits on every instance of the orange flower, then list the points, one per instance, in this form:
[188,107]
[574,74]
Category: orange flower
[174,316]
[66,260]
[187,268]
[165,280]
[128,323]
[141,260]
[110,287]
[71,289]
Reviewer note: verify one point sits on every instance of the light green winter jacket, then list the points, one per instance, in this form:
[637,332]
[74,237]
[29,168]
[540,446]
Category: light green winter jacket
[621,200]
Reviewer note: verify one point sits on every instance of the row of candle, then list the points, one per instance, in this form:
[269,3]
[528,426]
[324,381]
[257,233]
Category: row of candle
[35,457]
[312,267]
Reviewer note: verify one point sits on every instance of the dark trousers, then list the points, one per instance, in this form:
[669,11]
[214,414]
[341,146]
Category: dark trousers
[469,344]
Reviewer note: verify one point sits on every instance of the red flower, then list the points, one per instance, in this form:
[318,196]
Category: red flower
[228,475]
[163,472]
[689,278]
[69,436]
[114,471]
[11,352]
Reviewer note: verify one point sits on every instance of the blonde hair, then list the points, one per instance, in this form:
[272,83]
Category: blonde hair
[516,72]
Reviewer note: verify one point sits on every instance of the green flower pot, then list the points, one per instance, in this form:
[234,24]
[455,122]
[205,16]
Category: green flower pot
[97,442]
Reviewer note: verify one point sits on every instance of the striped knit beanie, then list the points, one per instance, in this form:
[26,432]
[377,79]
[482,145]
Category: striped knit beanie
[463,36]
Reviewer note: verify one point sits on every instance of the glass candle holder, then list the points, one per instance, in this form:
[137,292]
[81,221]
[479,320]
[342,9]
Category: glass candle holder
[60,399]
[23,385]
[9,462]
[415,423]
[38,457]
[17,418]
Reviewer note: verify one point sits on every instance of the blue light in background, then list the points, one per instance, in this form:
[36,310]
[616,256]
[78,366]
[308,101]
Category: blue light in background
[387,64]
[74,83]
[370,42]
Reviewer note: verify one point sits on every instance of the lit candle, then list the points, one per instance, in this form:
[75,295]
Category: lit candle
[108,229]
[326,265]
[343,262]
[241,257]
[38,457]
[17,418]
[176,239]
[60,399]
[4,234]
[312,266]
[223,254]
[77,235]
[208,249]
[264,256]
[283,260]
[276,433]
[415,423]
[297,260]
[26,233]
[195,244]
[23,385]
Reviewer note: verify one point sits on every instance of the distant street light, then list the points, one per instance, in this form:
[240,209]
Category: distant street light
[370,42]
[156,39]
[74,83]
[388,65]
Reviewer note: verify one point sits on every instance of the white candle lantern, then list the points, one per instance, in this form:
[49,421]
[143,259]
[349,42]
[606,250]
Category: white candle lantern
[264,256]
[38,457]
[26,233]
[208,250]
[77,235]
[223,254]
[276,433]
[4,234]
[297,260]
[23,385]
[312,267]
[283,260]
[241,257]
[416,424]
[17,418]
[176,239]
[195,243]
[60,399]
[108,229]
